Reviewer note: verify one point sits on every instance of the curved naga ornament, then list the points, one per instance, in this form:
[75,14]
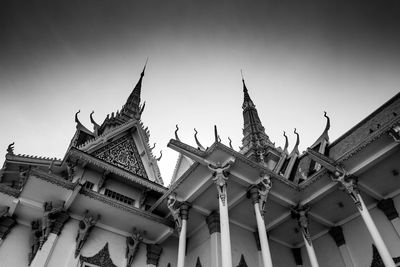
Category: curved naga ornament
[10,148]
[220,174]
[175,212]
[176,133]
[199,146]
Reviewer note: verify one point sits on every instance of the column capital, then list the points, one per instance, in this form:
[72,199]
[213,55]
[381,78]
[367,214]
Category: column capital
[184,210]
[337,234]
[387,206]
[153,254]
[300,213]
[213,223]
[175,212]
[220,176]
[253,194]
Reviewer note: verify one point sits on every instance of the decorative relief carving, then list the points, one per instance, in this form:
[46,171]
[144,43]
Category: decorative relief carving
[6,222]
[85,227]
[132,245]
[49,219]
[394,132]
[264,186]
[124,154]
[36,233]
[175,212]
[153,254]
[377,260]
[220,176]
[242,262]
[300,213]
[102,258]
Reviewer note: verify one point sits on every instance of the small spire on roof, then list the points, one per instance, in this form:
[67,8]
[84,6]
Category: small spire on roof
[245,92]
[217,139]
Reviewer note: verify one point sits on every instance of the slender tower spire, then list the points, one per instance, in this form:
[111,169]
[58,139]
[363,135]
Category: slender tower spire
[132,107]
[254,136]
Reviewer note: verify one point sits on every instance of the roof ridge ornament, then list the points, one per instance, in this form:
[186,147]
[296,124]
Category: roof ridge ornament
[199,146]
[10,149]
[230,142]
[286,143]
[77,119]
[176,133]
[328,123]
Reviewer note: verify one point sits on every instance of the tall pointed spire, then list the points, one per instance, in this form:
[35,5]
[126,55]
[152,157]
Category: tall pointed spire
[132,106]
[254,137]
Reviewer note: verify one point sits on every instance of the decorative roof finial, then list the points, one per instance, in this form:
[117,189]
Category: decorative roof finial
[95,125]
[199,146]
[10,149]
[144,68]
[328,123]
[159,158]
[286,143]
[230,142]
[296,146]
[217,139]
[142,109]
[76,117]
[176,133]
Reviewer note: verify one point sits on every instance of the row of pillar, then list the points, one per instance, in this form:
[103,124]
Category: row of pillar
[258,194]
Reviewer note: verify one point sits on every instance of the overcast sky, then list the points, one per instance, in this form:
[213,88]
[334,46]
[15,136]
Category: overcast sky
[299,58]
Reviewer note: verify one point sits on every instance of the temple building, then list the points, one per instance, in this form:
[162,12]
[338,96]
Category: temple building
[105,203]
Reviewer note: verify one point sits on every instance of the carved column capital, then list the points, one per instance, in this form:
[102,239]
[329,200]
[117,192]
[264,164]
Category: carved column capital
[254,194]
[213,223]
[337,234]
[153,254]
[220,176]
[387,206]
[184,211]
[300,213]
[85,226]
[348,184]
[175,211]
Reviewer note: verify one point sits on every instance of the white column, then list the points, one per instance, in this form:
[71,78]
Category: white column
[42,256]
[184,212]
[225,233]
[262,231]
[214,229]
[259,193]
[349,184]
[301,213]
[220,178]
[378,241]
[310,252]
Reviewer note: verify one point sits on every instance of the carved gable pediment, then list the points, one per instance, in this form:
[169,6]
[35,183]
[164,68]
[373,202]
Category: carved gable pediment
[101,259]
[124,154]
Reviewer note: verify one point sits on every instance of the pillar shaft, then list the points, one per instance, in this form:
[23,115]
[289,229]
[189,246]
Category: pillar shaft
[182,244]
[378,241]
[225,233]
[42,257]
[262,232]
[311,252]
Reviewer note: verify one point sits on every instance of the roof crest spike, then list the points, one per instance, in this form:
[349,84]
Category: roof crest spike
[286,142]
[217,139]
[230,142]
[176,133]
[76,117]
[328,122]
[197,141]
[159,158]
[296,146]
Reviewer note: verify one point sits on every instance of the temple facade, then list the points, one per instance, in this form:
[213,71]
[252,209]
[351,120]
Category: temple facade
[105,203]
